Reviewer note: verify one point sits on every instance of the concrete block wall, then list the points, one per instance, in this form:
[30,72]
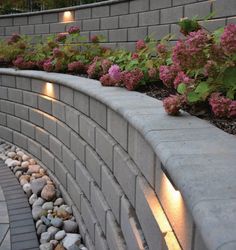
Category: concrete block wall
[137,179]
[122,22]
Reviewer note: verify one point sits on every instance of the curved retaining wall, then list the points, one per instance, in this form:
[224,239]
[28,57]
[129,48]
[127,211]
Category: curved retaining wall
[122,22]
[138,178]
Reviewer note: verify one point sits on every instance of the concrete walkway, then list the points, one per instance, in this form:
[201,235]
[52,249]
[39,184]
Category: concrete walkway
[17,229]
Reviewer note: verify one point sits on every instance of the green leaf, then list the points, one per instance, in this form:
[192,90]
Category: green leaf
[182,88]
[229,76]
[217,34]
[193,97]
[202,90]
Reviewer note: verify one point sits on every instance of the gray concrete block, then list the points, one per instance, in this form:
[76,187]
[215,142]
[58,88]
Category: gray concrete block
[88,242]
[13,122]
[11,30]
[72,118]
[125,172]
[34,148]
[81,102]
[142,154]
[61,173]
[50,18]
[175,30]
[201,9]
[198,241]
[159,4]
[27,29]
[93,165]
[83,178]
[55,147]
[117,127]
[42,29]
[57,27]
[20,20]
[48,159]
[6,134]
[213,25]
[159,31]
[28,129]
[114,236]
[36,117]
[68,160]
[99,205]
[35,19]
[104,147]
[100,239]
[98,112]
[100,11]
[38,86]
[103,33]
[149,18]
[58,110]
[8,81]
[63,133]
[130,20]
[171,15]
[111,191]
[45,104]
[135,34]
[88,216]
[3,119]
[146,202]
[83,14]
[2,31]
[30,99]
[231,20]
[42,137]
[23,83]
[181,2]
[119,9]
[21,111]
[87,130]
[7,107]
[50,124]
[224,9]
[6,21]
[3,93]
[74,191]
[109,23]
[118,35]
[130,227]
[20,140]
[66,95]
[77,146]
[91,24]
[138,6]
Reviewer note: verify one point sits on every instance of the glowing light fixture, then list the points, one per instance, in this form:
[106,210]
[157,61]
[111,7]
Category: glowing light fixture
[49,90]
[67,17]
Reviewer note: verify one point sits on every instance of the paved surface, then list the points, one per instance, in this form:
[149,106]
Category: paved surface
[17,230]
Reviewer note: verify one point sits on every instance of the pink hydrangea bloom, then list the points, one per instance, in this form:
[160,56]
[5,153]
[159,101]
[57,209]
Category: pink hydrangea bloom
[57,53]
[61,37]
[232,109]
[48,66]
[108,80]
[182,78]
[22,64]
[161,49]
[14,38]
[173,104]
[219,105]
[140,44]
[115,72]
[94,39]
[74,30]
[210,68]
[153,73]
[105,65]
[131,79]
[135,56]
[76,67]
[189,53]
[168,74]
[228,39]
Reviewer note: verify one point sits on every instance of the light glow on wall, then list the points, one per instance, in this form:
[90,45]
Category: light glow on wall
[49,90]
[67,17]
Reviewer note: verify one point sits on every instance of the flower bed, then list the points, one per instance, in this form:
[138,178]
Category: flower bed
[199,71]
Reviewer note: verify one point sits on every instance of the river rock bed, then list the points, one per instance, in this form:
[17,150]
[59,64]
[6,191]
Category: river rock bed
[55,224]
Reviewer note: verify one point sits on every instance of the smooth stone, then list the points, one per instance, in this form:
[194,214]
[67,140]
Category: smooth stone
[54,242]
[57,222]
[25,157]
[48,193]
[53,230]
[70,240]
[46,246]
[58,202]
[33,169]
[37,212]
[59,247]
[70,226]
[60,235]
[23,181]
[50,216]
[38,223]
[20,153]
[48,205]
[25,164]
[41,229]
[69,210]
[11,154]
[27,189]
[45,237]
[32,161]
[45,220]
[8,161]
[46,178]
[18,174]
[20,168]
[39,202]
[32,199]
[14,163]
[82,247]
[25,176]
[37,185]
